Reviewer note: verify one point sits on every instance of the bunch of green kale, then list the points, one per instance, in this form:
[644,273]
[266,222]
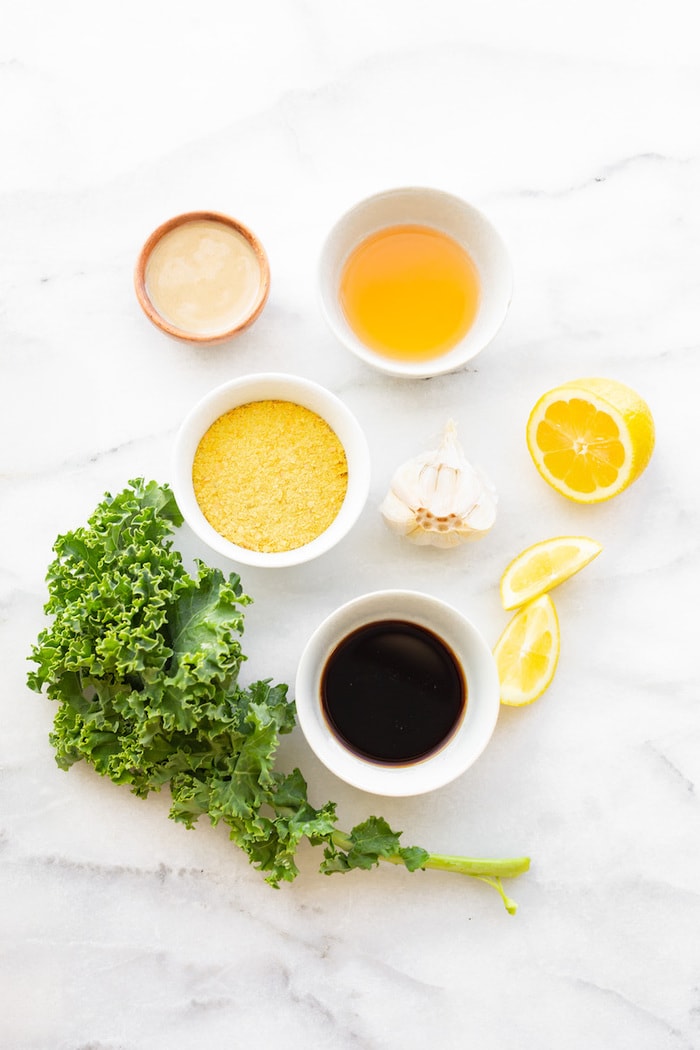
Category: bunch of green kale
[143,659]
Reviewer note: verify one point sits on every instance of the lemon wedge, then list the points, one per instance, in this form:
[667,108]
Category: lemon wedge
[527,652]
[590,438]
[544,565]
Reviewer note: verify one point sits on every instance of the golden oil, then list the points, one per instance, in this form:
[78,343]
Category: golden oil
[410,292]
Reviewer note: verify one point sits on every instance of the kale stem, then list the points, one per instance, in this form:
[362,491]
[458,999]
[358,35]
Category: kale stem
[491,867]
[342,840]
[488,869]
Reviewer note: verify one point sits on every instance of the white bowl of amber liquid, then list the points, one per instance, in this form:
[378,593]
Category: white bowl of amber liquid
[271,470]
[415,281]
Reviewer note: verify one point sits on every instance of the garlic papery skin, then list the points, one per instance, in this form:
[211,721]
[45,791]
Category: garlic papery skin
[439,498]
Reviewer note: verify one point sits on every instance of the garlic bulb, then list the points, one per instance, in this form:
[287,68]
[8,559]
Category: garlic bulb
[439,497]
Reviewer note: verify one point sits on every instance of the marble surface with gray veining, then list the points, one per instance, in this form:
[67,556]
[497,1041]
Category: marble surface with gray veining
[575,129]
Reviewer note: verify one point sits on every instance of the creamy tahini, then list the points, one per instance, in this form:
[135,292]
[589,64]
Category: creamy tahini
[203,277]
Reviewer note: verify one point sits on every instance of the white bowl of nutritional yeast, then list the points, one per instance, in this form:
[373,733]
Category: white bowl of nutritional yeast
[271,469]
[202,277]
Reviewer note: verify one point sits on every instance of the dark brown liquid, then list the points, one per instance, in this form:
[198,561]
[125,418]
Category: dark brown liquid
[393,692]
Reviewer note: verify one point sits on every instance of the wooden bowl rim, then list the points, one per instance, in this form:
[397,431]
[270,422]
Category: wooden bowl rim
[150,309]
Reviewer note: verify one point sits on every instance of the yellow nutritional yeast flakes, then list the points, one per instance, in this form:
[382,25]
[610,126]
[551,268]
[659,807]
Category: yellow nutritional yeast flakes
[270,475]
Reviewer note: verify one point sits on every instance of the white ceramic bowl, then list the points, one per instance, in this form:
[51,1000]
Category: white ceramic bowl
[461,749]
[261,387]
[439,210]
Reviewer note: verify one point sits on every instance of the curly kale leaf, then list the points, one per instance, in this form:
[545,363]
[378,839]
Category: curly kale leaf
[143,659]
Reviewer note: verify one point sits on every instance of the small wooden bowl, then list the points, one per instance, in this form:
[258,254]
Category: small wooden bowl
[151,310]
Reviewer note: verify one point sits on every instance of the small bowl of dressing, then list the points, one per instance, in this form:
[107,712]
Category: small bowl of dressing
[271,469]
[202,277]
[397,693]
[415,281]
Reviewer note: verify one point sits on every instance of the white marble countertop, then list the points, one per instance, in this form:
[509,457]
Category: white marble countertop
[576,131]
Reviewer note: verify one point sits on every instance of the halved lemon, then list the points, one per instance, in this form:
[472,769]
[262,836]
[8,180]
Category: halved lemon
[590,438]
[544,565]
[527,652]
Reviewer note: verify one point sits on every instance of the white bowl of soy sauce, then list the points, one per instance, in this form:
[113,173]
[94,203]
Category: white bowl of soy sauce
[397,693]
